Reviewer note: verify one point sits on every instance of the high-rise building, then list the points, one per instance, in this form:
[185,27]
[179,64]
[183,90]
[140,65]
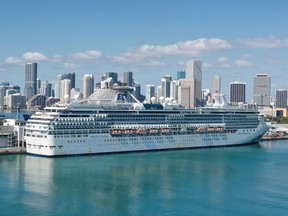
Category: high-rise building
[206,97]
[186,93]
[262,90]
[281,98]
[150,92]
[46,89]
[30,80]
[216,85]
[38,86]
[174,89]
[57,87]
[88,85]
[75,94]
[194,73]
[181,74]
[237,92]
[128,78]
[2,95]
[137,91]
[15,100]
[113,75]
[65,90]
[71,77]
[166,86]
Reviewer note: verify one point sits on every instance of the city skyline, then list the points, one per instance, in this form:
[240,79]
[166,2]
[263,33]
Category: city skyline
[234,40]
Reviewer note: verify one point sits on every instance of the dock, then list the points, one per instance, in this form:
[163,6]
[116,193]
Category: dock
[4,151]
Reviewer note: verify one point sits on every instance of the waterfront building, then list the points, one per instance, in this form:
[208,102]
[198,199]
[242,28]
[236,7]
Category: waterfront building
[194,75]
[2,96]
[150,92]
[14,101]
[6,89]
[216,85]
[237,92]
[30,80]
[262,90]
[281,98]
[88,85]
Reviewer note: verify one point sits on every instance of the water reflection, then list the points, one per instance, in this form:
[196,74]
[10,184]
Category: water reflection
[127,183]
[147,183]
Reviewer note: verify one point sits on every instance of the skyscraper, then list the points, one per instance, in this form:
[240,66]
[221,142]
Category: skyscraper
[88,85]
[38,86]
[113,75]
[71,77]
[262,90]
[186,92]
[194,73]
[46,89]
[65,89]
[166,86]
[150,92]
[281,98]
[181,74]
[174,90]
[30,80]
[57,87]
[128,78]
[237,92]
[216,85]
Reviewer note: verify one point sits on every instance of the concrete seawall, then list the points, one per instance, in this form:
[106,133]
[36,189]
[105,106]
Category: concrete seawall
[12,151]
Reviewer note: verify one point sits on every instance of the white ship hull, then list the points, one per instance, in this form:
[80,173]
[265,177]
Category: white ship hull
[105,143]
[99,126]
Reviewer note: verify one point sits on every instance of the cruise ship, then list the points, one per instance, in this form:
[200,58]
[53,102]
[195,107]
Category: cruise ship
[107,123]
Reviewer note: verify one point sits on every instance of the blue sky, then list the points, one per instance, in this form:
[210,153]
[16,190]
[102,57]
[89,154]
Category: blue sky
[233,39]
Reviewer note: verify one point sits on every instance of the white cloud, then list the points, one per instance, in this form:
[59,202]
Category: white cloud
[34,56]
[88,55]
[268,42]
[243,63]
[70,66]
[28,56]
[14,60]
[186,48]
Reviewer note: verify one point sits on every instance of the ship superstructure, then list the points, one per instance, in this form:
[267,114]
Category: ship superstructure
[106,123]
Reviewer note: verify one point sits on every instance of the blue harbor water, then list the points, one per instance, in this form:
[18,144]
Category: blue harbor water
[246,180]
